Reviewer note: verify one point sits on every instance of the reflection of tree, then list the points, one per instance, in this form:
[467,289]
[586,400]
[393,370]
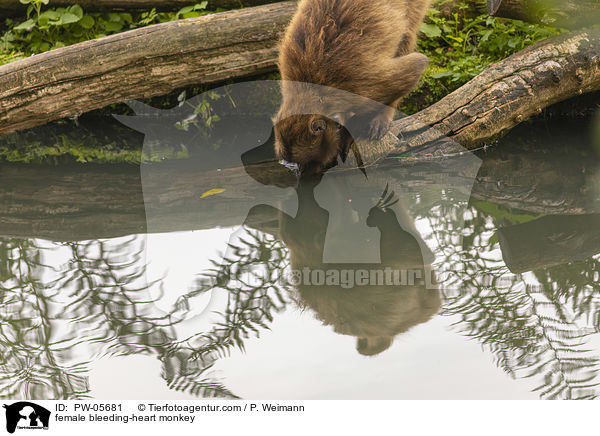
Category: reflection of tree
[577,285]
[251,273]
[95,304]
[31,367]
[534,330]
[55,320]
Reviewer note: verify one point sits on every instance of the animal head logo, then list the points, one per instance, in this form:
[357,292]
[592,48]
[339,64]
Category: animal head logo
[26,415]
[354,213]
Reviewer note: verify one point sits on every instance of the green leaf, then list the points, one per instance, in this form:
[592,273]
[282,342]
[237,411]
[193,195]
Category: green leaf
[76,10]
[442,74]
[87,22]
[431,30]
[50,15]
[68,18]
[27,25]
[114,17]
[486,35]
[192,14]
[186,10]
[113,27]
[42,46]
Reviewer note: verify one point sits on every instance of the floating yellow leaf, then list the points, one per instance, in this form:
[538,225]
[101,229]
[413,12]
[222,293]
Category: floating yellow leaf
[212,192]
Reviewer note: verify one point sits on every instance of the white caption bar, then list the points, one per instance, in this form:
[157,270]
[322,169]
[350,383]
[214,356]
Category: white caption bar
[296,417]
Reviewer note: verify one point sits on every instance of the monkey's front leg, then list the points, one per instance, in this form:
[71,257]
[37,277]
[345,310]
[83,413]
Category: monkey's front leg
[371,125]
[380,123]
[399,77]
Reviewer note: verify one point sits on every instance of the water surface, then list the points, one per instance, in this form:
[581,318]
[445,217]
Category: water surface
[176,279]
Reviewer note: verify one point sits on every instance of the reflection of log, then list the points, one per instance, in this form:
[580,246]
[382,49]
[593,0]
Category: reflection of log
[13,7]
[542,169]
[101,201]
[140,63]
[98,201]
[72,203]
[549,241]
[158,59]
[558,13]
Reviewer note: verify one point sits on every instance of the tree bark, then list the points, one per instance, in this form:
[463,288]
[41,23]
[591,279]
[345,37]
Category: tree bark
[141,63]
[504,95]
[571,14]
[14,7]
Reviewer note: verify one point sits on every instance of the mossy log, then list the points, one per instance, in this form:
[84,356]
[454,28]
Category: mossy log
[14,7]
[141,63]
[506,94]
[571,14]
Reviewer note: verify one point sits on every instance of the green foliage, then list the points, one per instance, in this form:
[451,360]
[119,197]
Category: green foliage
[64,149]
[51,28]
[203,115]
[461,44]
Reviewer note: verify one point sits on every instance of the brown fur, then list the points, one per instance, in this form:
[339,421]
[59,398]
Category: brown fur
[363,47]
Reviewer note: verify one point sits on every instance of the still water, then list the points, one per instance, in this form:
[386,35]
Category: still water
[473,276]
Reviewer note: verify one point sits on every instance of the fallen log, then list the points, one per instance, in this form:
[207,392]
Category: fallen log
[158,59]
[141,63]
[504,95]
[14,7]
[571,14]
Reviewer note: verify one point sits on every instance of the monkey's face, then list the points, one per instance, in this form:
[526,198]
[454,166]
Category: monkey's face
[311,141]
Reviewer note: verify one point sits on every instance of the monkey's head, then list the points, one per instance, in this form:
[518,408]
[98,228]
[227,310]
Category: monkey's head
[310,141]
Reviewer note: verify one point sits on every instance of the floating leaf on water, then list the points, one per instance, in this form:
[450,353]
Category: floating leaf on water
[212,192]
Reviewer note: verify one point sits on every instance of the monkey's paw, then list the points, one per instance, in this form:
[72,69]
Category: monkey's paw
[378,127]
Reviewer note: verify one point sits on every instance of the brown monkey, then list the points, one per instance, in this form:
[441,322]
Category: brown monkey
[362,47]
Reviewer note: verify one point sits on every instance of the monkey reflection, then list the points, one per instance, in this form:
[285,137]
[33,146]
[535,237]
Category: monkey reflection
[374,313]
